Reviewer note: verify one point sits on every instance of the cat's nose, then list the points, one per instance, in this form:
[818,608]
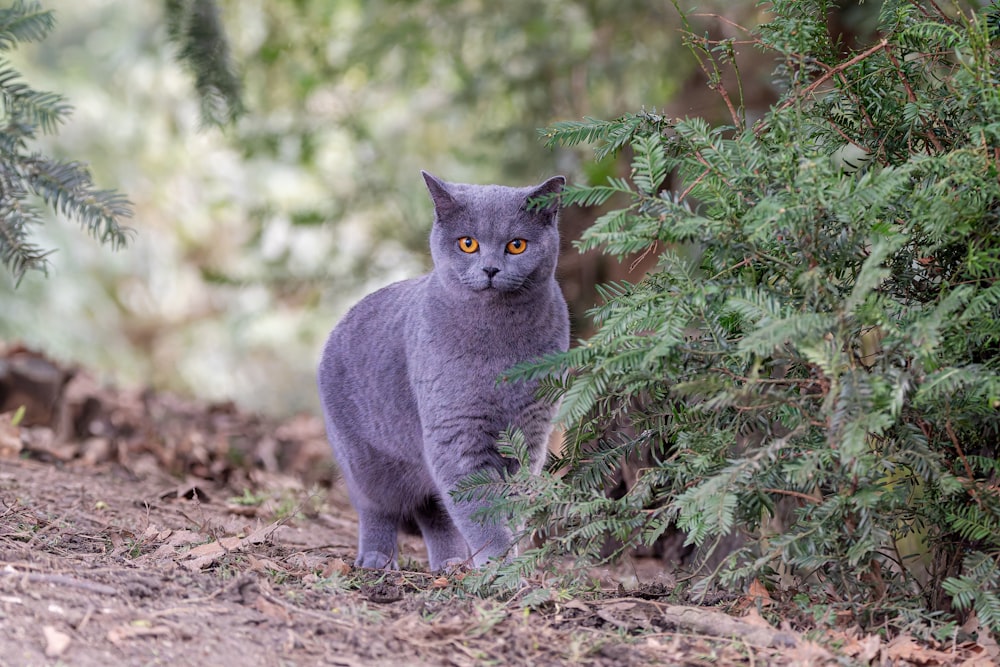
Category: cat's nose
[491,271]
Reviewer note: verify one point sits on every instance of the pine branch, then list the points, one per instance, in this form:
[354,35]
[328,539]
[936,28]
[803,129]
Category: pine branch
[761,126]
[27,108]
[65,187]
[196,27]
[17,253]
[24,22]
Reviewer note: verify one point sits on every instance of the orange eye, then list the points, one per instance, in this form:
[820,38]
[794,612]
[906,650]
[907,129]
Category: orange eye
[517,246]
[468,244]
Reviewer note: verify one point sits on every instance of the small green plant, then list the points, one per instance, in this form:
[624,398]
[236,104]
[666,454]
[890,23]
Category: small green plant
[249,499]
[288,508]
[18,416]
[815,360]
[277,577]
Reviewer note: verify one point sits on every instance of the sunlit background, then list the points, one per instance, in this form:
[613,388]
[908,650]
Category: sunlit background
[250,242]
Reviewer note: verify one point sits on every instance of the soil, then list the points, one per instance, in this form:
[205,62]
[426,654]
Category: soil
[141,529]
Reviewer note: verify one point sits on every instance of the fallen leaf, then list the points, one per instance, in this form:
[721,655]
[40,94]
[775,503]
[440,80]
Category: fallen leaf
[275,611]
[758,593]
[806,653]
[971,625]
[579,605]
[979,661]
[214,548]
[867,648]
[168,549]
[56,642]
[985,639]
[339,567]
[906,648]
[184,537]
[264,565]
[204,555]
[627,614]
[843,618]
[988,642]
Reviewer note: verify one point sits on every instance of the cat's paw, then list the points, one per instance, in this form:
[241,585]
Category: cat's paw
[376,560]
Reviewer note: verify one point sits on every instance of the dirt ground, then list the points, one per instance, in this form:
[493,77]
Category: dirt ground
[139,529]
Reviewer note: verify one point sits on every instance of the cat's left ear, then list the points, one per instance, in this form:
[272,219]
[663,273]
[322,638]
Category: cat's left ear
[549,190]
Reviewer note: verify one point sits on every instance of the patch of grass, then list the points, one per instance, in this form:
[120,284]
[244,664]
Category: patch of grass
[278,577]
[249,499]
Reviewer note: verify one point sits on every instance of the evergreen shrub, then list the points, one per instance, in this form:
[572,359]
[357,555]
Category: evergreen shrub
[814,361]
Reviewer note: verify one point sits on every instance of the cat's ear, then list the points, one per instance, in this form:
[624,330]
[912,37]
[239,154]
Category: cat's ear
[549,189]
[444,202]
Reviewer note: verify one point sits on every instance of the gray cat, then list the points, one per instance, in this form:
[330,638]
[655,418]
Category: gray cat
[409,378]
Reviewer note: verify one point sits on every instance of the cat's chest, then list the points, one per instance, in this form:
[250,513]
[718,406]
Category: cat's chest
[469,350]
[485,338]
[472,351]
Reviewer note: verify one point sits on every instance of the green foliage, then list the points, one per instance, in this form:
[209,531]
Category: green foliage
[978,588]
[583,518]
[814,360]
[195,26]
[26,174]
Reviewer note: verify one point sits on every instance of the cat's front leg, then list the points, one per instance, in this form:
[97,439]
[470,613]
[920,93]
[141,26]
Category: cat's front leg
[377,540]
[487,539]
[446,546]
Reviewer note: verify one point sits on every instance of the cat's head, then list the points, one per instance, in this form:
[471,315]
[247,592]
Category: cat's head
[487,239]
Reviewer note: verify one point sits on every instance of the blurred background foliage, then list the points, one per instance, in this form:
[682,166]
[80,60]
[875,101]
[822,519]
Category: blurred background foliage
[254,238]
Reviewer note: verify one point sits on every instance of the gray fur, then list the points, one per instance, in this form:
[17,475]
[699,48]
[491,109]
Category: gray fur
[408,379]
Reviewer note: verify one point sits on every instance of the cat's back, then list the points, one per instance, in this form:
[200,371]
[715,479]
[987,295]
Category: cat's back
[378,312]
[366,351]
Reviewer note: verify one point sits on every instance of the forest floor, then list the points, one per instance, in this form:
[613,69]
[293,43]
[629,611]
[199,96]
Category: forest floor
[141,529]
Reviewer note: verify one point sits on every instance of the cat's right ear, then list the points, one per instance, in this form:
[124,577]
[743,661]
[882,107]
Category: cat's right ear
[549,188]
[444,203]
